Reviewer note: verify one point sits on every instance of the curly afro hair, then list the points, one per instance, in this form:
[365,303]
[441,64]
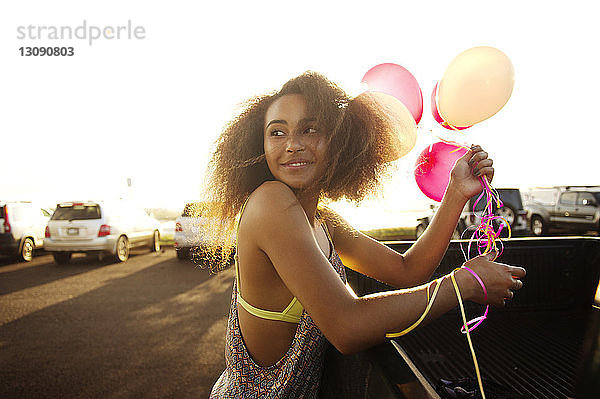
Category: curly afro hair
[362,140]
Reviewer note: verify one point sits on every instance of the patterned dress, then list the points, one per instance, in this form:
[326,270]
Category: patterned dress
[296,375]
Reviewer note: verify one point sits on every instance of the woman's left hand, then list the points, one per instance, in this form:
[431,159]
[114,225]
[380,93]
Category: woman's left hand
[468,170]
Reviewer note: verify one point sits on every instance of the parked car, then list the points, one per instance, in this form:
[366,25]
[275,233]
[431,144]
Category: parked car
[512,211]
[570,209]
[22,226]
[189,235]
[100,228]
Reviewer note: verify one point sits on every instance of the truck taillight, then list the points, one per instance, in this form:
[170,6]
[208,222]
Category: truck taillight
[178,227]
[6,224]
[47,233]
[104,230]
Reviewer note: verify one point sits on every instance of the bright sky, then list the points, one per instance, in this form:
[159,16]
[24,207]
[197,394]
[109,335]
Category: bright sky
[151,108]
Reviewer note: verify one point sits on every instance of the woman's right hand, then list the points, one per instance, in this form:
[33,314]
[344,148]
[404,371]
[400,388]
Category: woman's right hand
[500,280]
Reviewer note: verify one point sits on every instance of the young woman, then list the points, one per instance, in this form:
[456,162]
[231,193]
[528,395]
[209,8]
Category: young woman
[274,166]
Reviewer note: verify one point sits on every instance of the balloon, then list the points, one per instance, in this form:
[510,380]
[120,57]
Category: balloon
[436,114]
[395,80]
[433,167]
[476,85]
[402,126]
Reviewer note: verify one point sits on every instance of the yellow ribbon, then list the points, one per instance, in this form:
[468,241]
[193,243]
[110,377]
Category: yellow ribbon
[462,311]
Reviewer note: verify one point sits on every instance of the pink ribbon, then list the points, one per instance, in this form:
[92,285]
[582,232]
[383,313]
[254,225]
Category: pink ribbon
[480,319]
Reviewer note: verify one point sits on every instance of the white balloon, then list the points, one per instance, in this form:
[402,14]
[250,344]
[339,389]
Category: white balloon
[475,86]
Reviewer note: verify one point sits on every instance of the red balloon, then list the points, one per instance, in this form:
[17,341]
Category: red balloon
[436,115]
[433,167]
[396,81]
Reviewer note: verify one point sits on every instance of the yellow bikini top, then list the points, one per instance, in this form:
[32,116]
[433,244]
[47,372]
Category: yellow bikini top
[293,311]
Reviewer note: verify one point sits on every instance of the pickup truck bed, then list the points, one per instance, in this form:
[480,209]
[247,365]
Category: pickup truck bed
[533,348]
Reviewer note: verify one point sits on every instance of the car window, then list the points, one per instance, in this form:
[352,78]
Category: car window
[511,197]
[76,212]
[546,197]
[586,199]
[568,198]
[2,212]
[480,205]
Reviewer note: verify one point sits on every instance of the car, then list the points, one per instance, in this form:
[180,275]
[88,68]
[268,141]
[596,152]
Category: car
[22,226]
[101,228]
[565,209]
[189,237]
[512,211]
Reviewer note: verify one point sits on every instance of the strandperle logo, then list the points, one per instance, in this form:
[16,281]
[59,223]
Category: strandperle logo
[90,33]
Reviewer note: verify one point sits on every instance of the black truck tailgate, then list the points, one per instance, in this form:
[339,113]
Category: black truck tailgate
[531,348]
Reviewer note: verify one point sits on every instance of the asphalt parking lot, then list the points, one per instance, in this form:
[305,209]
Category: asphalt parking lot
[151,327]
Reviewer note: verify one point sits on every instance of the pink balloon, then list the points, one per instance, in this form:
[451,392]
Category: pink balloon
[436,114]
[396,81]
[433,167]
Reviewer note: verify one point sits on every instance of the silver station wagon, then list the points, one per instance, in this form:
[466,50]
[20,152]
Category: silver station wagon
[101,228]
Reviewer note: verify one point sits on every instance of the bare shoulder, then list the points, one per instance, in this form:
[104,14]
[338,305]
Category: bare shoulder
[270,199]
[272,192]
[272,205]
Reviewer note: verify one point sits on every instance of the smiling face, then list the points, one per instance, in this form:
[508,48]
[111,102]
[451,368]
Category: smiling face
[295,147]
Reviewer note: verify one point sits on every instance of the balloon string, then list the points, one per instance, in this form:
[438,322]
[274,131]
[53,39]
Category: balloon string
[487,240]
[485,237]
[465,329]
[427,308]
[477,320]
[462,312]
[451,126]
[454,143]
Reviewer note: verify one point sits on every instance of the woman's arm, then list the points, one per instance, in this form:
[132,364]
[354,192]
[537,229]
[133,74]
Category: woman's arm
[350,323]
[416,265]
[425,255]
[374,259]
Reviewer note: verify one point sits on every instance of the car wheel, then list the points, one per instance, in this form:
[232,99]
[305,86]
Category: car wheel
[62,257]
[156,241]
[538,227]
[419,230]
[122,253]
[26,254]
[183,253]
